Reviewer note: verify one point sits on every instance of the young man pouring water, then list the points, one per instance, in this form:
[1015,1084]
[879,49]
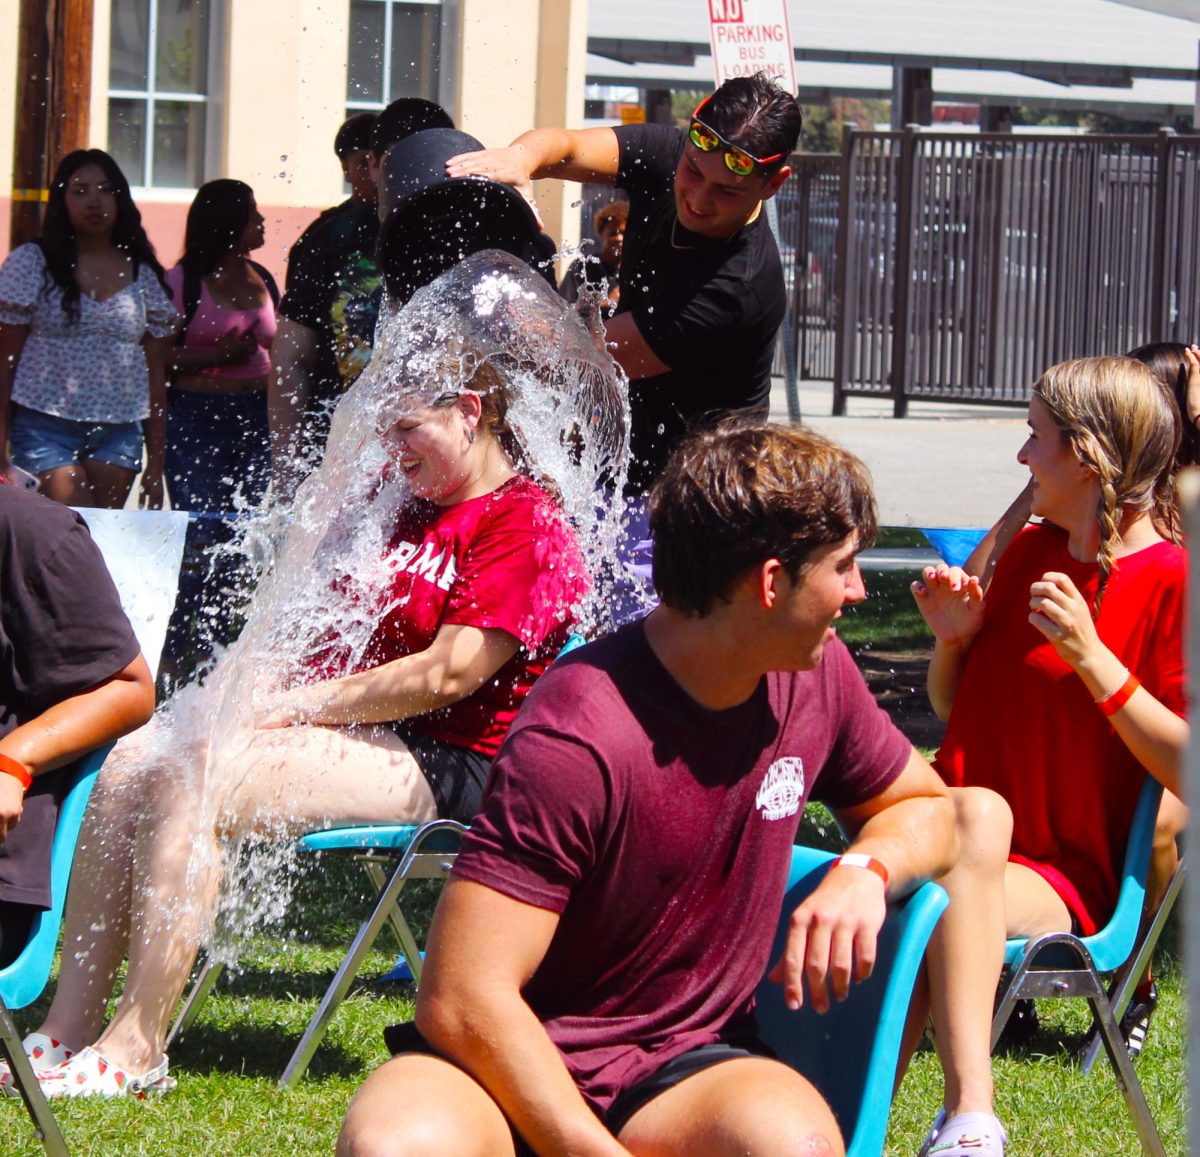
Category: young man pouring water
[589,986]
[702,290]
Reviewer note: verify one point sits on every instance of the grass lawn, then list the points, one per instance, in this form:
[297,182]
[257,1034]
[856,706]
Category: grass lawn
[227,1103]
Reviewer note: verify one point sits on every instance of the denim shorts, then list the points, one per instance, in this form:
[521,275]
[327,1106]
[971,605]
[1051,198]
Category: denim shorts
[42,442]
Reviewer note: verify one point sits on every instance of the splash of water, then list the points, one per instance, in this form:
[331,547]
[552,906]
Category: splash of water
[569,415]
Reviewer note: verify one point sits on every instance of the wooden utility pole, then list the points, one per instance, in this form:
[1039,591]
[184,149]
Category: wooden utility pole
[54,70]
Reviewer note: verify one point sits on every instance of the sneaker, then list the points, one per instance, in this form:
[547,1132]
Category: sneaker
[88,1074]
[43,1052]
[1136,1021]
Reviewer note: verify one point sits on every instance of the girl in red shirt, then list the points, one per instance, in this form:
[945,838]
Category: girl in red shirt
[1062,691]
[481,580]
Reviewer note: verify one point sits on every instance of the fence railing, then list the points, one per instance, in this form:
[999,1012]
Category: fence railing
[966,264]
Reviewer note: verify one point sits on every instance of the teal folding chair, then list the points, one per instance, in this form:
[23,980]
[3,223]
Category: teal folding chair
[411,852]
[142,552]
[23,981]
[1062,966]
[850,1053]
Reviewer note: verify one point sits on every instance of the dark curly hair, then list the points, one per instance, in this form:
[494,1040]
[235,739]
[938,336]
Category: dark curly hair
[755,113]
[57,241]
[744,491]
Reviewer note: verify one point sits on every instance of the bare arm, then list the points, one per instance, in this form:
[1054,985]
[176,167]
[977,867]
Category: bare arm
[458,662]
[630,350]
[157,352]
[12,341]
[951,602]
[231,350]
[483,948]
[294,355]
[986,554]
[909,827]
[567,154]
[1155,735]
[74,726]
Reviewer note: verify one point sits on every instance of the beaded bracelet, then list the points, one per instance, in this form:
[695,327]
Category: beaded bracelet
[860,860]
[1114,701]
[10,766]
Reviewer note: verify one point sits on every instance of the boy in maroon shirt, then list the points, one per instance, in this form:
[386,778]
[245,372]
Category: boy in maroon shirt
[590,981]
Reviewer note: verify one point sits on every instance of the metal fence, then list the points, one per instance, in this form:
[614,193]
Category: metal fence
[967,264]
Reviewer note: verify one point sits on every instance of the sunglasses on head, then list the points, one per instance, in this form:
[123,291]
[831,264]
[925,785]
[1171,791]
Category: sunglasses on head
[737,160]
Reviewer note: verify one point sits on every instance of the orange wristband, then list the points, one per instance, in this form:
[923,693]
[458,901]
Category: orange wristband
[859,860]
[10,766]
[1113,703]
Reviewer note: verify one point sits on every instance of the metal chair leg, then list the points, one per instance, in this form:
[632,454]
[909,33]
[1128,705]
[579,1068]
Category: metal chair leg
[363,941]
[1126,979]
[44,1123]
[400,927]
[209,974]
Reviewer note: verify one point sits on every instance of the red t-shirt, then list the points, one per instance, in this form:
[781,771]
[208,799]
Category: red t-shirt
[661,832]
[1024,724]
[506,561]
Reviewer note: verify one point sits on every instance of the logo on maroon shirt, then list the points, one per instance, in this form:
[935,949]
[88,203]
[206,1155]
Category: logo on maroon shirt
[782,789]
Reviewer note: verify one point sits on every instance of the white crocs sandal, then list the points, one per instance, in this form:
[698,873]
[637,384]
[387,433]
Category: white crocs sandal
[43,1052]
[970,1135]
[88,1074]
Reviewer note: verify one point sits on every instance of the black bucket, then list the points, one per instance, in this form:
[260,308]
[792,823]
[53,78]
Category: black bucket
[431,221]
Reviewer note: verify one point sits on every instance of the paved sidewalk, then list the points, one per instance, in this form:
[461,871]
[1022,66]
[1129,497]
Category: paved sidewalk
[943,465]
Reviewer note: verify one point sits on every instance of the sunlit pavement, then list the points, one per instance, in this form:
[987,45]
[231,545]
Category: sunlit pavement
[943,465]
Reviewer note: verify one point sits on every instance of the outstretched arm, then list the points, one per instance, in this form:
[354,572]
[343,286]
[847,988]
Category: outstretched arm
[951,602]
[483,949]
[74,726]
[1149,728]
[909,828]
[458,662]
[567,154]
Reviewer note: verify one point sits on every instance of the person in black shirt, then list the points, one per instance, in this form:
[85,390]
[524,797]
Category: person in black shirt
[598,270]
[701,284]
[327,315]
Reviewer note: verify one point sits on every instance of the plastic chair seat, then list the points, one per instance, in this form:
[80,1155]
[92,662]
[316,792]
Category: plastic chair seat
[850,1053]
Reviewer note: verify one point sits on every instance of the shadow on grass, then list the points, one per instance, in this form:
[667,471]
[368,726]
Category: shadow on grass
[257,1050]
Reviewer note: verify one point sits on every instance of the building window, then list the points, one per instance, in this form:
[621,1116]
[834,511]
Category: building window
[158,90]
[395,50]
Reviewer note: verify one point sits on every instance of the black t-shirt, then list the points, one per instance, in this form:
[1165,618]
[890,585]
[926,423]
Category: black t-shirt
[709,308]
[335,287]
[62,631]
[591,271]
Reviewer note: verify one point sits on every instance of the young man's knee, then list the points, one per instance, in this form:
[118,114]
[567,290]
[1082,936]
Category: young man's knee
[985,824]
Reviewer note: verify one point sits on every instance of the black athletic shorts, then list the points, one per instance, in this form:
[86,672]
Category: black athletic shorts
[456,775]
[406,1038]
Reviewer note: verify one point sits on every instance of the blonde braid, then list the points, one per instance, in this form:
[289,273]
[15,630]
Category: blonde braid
[1108,515]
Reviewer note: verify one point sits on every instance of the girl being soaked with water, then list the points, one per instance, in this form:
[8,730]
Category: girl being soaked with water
[455,578]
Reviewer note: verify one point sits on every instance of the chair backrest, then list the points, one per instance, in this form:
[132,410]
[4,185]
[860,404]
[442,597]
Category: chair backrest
[1111,946]
[850,1052]
[142,551]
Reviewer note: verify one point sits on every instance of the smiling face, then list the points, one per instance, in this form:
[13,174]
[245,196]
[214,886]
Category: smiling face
[1064,488]
[91,202]
[829,582]
[434,449]
[714,202]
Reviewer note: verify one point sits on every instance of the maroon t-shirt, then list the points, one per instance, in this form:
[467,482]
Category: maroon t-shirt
[662,832]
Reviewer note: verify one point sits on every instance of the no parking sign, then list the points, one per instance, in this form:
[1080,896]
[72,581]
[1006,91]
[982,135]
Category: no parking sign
[750,36]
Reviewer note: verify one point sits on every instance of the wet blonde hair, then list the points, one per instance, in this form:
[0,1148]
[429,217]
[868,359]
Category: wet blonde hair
[1121,421]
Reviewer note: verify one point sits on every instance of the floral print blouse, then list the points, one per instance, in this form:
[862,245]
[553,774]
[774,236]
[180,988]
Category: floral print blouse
[90,370]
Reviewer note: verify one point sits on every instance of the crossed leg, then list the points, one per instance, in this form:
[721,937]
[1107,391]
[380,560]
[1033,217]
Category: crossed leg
[417,1105]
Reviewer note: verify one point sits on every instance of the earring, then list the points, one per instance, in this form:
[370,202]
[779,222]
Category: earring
[470,435]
